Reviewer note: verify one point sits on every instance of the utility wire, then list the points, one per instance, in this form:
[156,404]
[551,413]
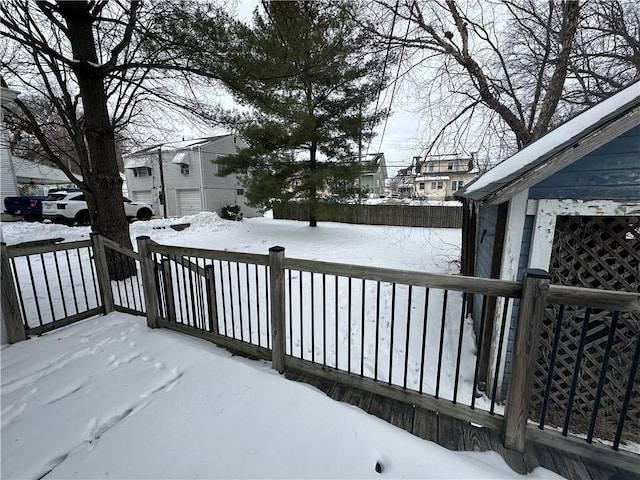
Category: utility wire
[384,70]
[396,81]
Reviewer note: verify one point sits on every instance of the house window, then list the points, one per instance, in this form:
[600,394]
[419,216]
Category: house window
[184,169]
[421,186]
[437,185]
[451,166]
[141,172]
[240,191]
[431,167]
[456,185]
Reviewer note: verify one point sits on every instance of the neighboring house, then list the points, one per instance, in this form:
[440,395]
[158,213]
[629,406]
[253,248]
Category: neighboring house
[190,177]
[37,179]
[8,184]
[435,178]
[568,204]
[439,177]
[374,174]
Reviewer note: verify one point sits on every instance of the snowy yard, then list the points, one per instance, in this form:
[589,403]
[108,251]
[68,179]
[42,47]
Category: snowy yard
[110,397]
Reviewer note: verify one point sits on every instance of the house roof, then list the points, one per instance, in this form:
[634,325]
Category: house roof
[373,164]
[179,145]
[28,170]
[558,148]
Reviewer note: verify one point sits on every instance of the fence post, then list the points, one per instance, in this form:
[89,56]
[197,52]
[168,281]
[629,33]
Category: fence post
[209,274]
[525,349]
[168,289]
[11,315]
[148,282]
[277,296]
[102,271]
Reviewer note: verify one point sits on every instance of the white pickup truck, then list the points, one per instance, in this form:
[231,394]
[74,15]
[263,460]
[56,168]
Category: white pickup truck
[69,207]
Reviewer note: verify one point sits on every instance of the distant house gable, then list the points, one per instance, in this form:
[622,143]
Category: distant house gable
[559,148]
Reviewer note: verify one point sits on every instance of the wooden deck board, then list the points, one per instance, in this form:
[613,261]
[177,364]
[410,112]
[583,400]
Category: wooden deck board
[456,434]
[425,424]
[402,415]
[450,433]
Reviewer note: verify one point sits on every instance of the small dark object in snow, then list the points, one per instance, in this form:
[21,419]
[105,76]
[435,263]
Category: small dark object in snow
[180,226]
[378,467]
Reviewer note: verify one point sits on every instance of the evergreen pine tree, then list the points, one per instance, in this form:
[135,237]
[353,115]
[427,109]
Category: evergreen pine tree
[308,76]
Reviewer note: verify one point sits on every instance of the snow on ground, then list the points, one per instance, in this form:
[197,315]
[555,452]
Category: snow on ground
[109,397]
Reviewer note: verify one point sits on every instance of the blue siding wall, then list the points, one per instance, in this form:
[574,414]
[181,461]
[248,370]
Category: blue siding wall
[612,172]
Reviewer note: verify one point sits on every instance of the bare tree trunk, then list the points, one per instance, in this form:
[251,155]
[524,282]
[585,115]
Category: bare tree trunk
[101,177]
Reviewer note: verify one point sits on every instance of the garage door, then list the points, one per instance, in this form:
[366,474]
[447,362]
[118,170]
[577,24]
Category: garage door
[144,196]
[188,202]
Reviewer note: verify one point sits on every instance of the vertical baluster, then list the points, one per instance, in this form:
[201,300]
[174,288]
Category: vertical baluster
[406,343]
[301,315]
[375,369]
[552,366]
[459,352]
[46,282]
[224,302]
[324,319]
[290,313]
[246,272]
[362,321]
[84,284]
[443,322]
[349,327]
[313,317]
[64,302]
[576,371]
[483,312]
[627,396]
[73,283]
[503,322]
[425,321]
[603,376]
[35,291]
[393,318]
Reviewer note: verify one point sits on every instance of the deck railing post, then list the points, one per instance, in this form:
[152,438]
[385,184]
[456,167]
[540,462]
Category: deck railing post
[11,315]
[277,297]
[102,271]
[148,282]
[525,349]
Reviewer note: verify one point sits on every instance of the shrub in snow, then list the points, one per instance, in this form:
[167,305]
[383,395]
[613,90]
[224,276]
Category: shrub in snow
[232,212]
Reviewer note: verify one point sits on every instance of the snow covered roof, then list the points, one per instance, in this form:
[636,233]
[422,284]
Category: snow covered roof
[517,171]
[179,145]
[138,162]
[30,171]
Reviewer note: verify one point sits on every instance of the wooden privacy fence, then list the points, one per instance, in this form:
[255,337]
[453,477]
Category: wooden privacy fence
[434,216]
[404,335]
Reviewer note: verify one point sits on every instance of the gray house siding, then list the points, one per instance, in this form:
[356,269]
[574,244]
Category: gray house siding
[201,189]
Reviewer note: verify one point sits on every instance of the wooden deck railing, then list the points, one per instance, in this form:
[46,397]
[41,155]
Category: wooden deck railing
[405,335]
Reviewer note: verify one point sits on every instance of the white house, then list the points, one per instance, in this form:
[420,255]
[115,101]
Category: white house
[187,173]
[8,184]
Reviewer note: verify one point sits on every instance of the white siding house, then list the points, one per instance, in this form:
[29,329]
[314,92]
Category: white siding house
[189,175]
[8,184]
